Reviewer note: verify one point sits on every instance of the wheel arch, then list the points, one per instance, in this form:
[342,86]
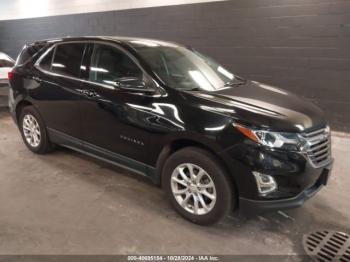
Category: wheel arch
[20,105]
[180,143]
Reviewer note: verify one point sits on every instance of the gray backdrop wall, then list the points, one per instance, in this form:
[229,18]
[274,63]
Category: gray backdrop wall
[300,45]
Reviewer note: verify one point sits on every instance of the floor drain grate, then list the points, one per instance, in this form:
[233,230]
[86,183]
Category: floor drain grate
[326,246]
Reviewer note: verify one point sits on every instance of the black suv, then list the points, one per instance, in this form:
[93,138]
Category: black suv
[213,140]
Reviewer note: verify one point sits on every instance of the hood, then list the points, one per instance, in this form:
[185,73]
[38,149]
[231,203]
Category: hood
[263,106]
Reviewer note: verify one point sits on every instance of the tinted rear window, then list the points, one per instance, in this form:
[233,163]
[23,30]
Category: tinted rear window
[67,59]
[28,52]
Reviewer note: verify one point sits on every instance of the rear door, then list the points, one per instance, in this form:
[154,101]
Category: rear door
[56,89]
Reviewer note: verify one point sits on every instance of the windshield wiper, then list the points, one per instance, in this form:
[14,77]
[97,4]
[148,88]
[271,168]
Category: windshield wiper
[235,83]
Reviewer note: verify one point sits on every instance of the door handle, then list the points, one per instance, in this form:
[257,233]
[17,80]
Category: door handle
[93,94]
[88,93]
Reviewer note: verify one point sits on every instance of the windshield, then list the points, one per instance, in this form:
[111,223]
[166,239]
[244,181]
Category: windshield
[181,68]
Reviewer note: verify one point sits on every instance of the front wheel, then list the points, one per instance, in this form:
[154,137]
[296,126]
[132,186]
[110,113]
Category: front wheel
[197,186]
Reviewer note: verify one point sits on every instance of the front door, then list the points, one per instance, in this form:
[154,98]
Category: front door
[115,122]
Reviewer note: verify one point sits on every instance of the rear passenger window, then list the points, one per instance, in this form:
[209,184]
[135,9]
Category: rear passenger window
[67,59]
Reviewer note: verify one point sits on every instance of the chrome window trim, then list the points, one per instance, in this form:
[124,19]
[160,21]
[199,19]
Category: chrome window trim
[37,64]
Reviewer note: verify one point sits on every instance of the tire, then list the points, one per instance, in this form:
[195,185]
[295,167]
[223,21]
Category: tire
[214,174]
[30,125]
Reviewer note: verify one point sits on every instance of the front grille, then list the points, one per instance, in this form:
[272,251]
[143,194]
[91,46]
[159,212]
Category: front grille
[318,146]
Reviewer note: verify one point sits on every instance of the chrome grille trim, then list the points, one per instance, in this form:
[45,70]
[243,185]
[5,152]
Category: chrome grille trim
[319,152]
[324,143]
[313,133]
[317,147]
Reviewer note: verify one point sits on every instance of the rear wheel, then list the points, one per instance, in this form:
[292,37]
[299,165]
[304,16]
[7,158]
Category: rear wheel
[33,131]
[197,186]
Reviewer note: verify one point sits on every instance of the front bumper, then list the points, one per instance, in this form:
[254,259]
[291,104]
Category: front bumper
[297,179]
[249,206]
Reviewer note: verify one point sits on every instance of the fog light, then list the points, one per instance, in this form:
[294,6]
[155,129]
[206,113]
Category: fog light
[266,184]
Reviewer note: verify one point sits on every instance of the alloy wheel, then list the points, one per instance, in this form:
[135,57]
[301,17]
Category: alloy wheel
[193,189]
[31,130]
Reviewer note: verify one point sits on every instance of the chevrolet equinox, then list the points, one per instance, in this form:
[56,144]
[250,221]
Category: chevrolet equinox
[214,141]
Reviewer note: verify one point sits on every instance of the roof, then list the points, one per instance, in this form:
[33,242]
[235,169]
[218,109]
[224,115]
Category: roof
[120,39]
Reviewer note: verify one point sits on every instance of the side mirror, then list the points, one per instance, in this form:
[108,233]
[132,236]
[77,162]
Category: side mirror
[130,82]
[133,84]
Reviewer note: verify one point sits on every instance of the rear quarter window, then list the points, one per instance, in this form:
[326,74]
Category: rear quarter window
[28,52]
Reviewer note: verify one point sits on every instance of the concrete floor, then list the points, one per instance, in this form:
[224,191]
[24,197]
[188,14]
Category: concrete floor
[4,90]
[67,203]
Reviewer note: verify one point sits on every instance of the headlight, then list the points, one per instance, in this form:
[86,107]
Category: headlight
[270,139]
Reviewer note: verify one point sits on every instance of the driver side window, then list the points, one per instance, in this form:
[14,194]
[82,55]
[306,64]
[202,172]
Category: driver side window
[109,65]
